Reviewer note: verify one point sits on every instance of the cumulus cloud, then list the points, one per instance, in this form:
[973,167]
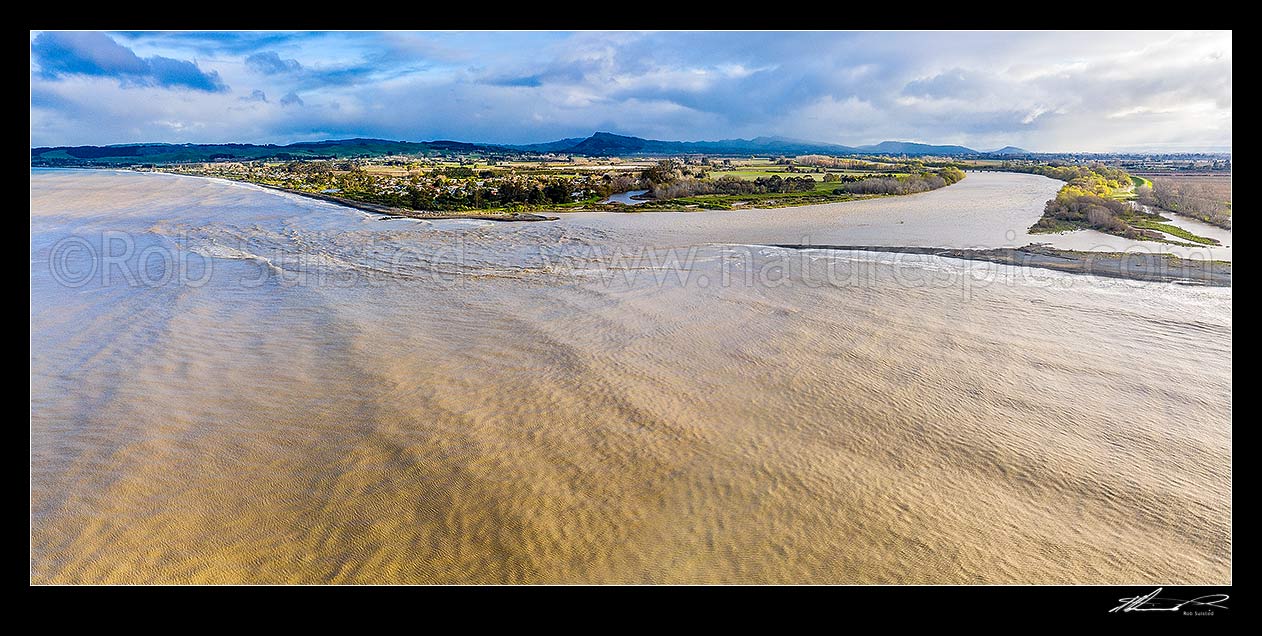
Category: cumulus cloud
[61,54]
[270,63]
[291,99]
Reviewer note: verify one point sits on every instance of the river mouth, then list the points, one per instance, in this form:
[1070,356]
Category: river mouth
[318,394]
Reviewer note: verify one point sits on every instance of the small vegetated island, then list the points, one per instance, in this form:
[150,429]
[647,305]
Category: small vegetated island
[1104,198]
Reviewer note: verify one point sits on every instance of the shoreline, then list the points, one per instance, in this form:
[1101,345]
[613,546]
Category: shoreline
[1162,268]
[405,213]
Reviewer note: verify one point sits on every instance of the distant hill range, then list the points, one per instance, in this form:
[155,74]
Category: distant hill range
[601,144]
[609,144]
[909,148]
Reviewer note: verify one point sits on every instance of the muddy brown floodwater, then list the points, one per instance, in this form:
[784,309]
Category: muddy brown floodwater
[230,384]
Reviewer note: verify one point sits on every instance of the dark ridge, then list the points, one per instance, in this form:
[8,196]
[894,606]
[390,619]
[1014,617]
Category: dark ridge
[598,145]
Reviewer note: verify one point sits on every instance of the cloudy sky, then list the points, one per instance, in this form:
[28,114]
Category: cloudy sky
[1092,91]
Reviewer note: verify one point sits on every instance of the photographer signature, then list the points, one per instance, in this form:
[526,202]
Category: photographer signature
[1153,603]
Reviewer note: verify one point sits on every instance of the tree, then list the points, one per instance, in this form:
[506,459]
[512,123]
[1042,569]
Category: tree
[559,191]
[663,171]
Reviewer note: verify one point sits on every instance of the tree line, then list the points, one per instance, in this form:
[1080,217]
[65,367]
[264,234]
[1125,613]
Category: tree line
[908,184]
[1209,201]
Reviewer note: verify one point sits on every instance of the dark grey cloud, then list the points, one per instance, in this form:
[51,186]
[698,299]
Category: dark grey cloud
[60,54]
[270,63]
[291,99]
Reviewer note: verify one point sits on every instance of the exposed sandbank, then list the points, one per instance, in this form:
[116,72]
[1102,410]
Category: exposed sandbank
[1164,268]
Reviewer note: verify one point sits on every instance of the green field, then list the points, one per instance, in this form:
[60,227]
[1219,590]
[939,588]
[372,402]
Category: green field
[749,175]
[1131,194]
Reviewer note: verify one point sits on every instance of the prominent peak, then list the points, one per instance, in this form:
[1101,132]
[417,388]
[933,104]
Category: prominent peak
[609,143]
